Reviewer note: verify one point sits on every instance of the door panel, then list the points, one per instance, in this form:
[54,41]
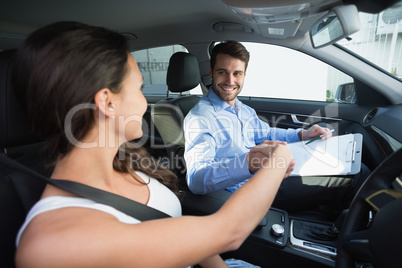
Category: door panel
[297,113]
[344,118]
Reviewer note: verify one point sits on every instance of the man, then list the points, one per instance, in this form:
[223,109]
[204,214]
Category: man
[220,131]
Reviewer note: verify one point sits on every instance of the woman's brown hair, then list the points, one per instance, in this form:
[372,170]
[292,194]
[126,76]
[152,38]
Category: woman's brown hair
[62,66]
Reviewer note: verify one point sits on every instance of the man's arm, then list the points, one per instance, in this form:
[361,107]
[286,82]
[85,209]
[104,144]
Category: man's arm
[263,131]
[206,173]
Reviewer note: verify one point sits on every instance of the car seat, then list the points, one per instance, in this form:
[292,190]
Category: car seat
[183,74]
[18,191]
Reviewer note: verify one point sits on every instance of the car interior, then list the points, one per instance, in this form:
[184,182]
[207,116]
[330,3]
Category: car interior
[366,234]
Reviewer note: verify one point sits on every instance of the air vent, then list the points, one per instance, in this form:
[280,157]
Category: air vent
[370,115]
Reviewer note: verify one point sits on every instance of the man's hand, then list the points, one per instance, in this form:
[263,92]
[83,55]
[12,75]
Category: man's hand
[313,132]
[260,153]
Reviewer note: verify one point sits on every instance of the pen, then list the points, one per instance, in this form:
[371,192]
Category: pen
[320,136]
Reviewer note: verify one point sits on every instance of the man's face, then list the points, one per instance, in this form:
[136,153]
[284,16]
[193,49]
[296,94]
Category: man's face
[228,77]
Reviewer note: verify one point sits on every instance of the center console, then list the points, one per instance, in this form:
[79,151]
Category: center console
[312,240]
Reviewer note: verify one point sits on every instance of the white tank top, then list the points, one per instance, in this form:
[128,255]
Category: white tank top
[160,198]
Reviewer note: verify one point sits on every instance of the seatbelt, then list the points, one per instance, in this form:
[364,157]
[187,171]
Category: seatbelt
[130,207]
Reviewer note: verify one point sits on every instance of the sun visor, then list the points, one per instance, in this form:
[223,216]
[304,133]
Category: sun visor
[274,19]
[274,22]
[271,15]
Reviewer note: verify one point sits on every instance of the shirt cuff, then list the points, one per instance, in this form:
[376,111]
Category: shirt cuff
[297,133]
[239,170]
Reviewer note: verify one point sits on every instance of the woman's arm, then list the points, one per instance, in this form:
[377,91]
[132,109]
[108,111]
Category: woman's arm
[74,237]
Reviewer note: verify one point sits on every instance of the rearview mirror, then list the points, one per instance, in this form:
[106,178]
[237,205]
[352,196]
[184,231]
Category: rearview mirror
[339,23]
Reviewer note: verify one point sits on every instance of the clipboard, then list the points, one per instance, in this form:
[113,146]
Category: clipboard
[338,155]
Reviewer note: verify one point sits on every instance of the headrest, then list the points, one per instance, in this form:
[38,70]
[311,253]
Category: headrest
[14,127]
[183,72]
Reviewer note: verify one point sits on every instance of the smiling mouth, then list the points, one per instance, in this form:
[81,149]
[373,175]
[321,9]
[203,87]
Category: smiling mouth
[228,89]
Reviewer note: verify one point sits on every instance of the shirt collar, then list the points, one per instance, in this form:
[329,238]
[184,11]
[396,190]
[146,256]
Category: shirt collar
[219,104]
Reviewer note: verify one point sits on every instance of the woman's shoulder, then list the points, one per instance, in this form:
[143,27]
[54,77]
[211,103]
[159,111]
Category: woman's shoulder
[53,203]
[57,224]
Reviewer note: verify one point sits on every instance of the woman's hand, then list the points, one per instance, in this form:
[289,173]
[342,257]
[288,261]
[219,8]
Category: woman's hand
[260,154]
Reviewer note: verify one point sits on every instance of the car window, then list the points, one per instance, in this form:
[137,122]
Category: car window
[379,40]
[153,64]
[278,72]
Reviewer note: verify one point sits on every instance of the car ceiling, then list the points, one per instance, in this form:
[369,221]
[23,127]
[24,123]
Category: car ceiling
[152,23]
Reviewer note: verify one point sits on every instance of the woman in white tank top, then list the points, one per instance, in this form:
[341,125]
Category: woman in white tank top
[82,91]
[160,198]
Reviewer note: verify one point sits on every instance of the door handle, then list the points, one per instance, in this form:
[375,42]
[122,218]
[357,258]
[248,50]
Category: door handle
[295,120]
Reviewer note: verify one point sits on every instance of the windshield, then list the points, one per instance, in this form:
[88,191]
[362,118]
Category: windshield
[379,39]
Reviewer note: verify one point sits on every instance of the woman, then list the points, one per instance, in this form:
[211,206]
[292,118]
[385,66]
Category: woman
[82,91]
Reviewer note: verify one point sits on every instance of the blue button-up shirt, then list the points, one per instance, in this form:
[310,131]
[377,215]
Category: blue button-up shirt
[218,138]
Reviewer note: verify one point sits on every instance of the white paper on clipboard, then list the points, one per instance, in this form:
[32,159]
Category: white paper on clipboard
[339,155]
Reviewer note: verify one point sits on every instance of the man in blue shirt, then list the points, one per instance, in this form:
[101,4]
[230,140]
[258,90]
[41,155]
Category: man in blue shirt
[220,131]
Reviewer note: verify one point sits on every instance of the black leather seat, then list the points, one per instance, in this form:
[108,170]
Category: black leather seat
[183,74]
[18,191]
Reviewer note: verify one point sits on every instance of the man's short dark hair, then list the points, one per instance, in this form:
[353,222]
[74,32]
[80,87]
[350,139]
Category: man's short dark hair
[231,48]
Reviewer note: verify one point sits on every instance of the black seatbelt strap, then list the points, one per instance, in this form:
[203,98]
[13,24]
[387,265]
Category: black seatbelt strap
[125,205]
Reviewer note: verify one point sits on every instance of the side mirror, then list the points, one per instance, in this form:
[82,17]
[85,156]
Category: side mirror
[346,93]
[339,23]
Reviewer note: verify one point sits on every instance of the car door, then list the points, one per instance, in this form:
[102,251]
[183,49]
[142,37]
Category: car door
[290,89]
